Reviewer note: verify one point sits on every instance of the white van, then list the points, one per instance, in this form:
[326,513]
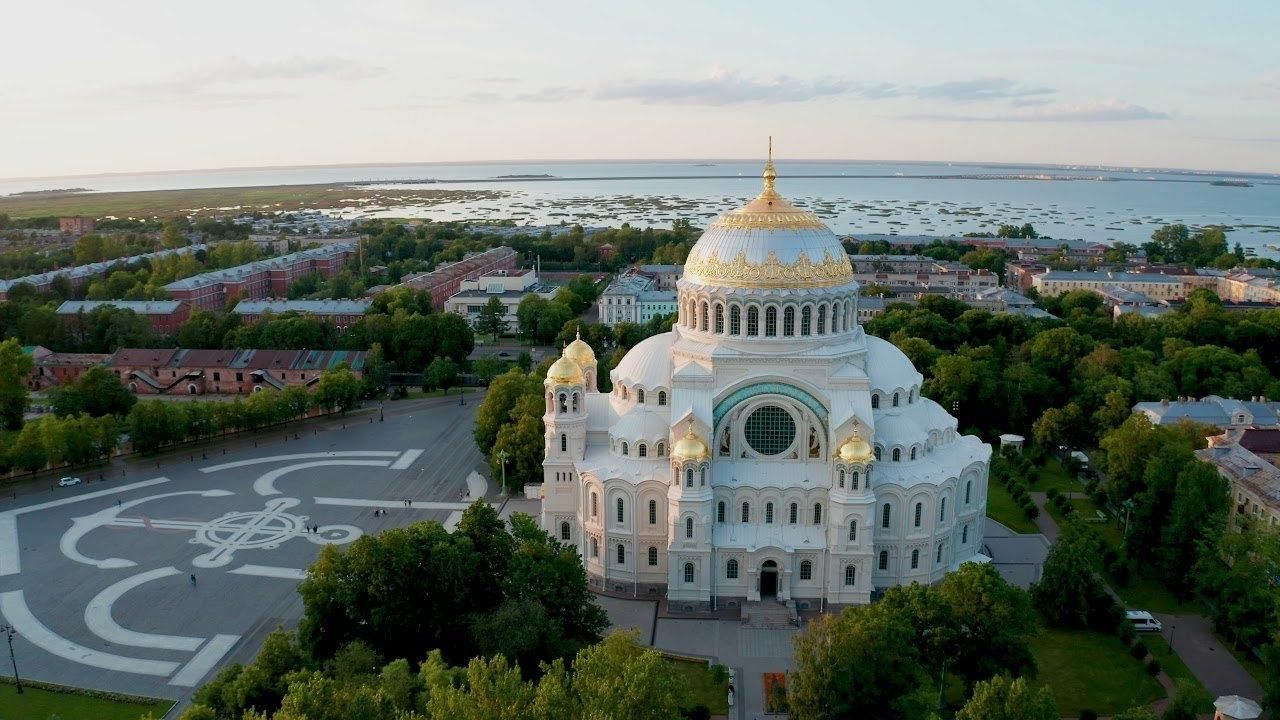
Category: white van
[1143,621]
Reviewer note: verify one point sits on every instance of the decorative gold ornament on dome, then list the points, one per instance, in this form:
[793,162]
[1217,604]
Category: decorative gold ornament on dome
[740,272]
[690,447]
[855,449]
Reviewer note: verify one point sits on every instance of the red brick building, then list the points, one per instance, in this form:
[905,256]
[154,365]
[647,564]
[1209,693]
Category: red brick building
[76,225]
[176,371]
[445,281]
[339,313]
[164,316]
[259,279]
[50,369]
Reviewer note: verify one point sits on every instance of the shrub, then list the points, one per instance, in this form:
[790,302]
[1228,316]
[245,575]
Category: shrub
[697,712]
[1153,667]
[1032,512]
[1088,715]
[1125,631]
[1052,494]
[1138,650]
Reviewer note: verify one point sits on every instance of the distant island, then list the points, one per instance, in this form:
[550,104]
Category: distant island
[54,191]
[542,176]
[1232,183]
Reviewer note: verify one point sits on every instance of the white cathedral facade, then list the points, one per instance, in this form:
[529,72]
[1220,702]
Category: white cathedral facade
[766,447]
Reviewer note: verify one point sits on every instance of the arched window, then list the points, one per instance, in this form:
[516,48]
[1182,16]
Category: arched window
[662,449]
[877,452]
[720,511]
[789,322]
[653,556]
[884,559]
[937,558]
[702,477]
[595,548]
[817,513]
[841,477]
[625,447]
[895,399]
[884,516]
[746,512]
[850,575]
[806,318]
[806,570]
[964,535]
[854,484]
[653,512]
[735,320]
[919,510]
[640,396]
[622,554]
[875,401]
[791,518]
[753,321]
[719,319]
[897,454]
[621,514]
[575,402]
[688,477]
[822,319]
[968,488]
[853,531]
[911,396]
[837,315]
[731,569]
[702,317]
[564,399]
[662,398]
[564,531]
[771,321]
[564,442]
[915,559]
[913,453]
[942,510]
[688,527]
[595,512]
[688,573]
[642,450]
[768,513]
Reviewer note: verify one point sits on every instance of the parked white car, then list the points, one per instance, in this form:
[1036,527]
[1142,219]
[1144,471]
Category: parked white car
[68,481]
[1143,621]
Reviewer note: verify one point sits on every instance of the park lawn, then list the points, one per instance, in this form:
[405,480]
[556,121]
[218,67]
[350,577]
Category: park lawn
[39,704]
[1053,475]
[1146,593]
[1002,509]
[1171,663]
[704,687]
[1091,670]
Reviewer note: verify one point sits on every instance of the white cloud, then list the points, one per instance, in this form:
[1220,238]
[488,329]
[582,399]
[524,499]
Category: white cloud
[1101,111]
[234,81]
[980,89]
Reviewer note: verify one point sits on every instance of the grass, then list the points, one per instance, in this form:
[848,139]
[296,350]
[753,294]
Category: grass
[40,704]
[1002,509]
[1090,670]
[1250,663]
[706,687]
[1053,475]
[1146,593]
[1169,661]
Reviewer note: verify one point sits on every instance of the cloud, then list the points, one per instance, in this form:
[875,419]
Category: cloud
[1102,111]
[980,90]
[551,94]
[235,81]
[726,87]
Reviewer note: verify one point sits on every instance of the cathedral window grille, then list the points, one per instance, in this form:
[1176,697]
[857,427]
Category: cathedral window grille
[753,321]
[938,556]
[702,477]
[942,510]
[564,399]
[822,319]
[564,531]
[769,430]
[771,321]
[564,443]
[817,513]
[853,531]
[625,448]
[877,452]
[702,317]
[662,398]
[768,513]
[964,535]
[719,319]
[850,575]
[688,527]
[595,511]
[789,322]
[897,453]
[688,573]
[653,556]
[884,559]
[731,569]
[595,548]
[662,449]
[575,402]
[642,450]
[688,477]
[875,401]
[640,396]
[854,483]
[913,453]
[968,488]
[720,511]
[735,320]
[884,515]
[622,554]
[621,512]
[841,477]
[794,514]
[746,512]
[915,559]
[919,510]
[806,570]
[653,512]
[806,318]
[895,399]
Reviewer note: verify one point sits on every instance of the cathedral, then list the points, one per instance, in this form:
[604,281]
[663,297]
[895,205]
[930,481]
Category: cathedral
[766,447]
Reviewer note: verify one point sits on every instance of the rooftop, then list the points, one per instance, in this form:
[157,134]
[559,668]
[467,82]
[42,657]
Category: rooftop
[95,269]
[240,272]
[305,307]
[140,307]
[1107,276]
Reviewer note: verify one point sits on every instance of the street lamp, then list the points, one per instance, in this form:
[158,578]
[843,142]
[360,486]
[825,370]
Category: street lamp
[502,456]
[9,630]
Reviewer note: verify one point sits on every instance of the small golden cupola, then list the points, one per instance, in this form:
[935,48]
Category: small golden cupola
[564,372]
[580,352]
[690,447]
[855,449]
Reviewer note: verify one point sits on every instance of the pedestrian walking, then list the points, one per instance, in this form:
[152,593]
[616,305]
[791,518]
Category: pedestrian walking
[193,579]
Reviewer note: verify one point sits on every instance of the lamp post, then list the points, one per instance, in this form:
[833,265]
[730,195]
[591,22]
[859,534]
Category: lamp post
[9,630]
[502,456]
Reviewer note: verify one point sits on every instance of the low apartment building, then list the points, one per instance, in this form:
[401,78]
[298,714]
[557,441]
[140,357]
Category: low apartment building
[177,371]
[164,316]
[634,298]
[446,280]
[261,278]
[80,275]
[1225,413]
[908,274]
[339,313]
[1255,480]
[51,369]
[1154,285]
[509,286]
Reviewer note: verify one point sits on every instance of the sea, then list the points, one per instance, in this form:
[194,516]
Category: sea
[1103,204]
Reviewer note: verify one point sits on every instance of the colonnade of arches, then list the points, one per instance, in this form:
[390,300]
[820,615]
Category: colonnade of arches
[765,318]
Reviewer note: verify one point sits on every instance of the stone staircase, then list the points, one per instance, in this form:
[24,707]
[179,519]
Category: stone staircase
[769,614]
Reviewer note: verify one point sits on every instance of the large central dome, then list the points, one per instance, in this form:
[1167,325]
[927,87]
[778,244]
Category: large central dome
[768,243]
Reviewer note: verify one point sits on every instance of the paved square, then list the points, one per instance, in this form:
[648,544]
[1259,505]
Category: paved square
[149,584]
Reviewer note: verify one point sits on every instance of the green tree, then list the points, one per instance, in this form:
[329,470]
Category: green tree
[455,336]
[520,441]
[488,368]
[1070,593]
[338,388]
[1189,701]
[1002,698]
[440,374]
[619,678]
[377,372]
[996,623]
[15,367]
[493,318]
[495,410]
[1060,426]
[97,392]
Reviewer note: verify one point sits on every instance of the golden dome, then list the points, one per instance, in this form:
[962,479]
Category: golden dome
[564,372]
[855,449]
[691,447]
[580,352]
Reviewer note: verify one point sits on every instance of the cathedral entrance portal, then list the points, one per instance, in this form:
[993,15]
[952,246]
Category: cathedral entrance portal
[769,579]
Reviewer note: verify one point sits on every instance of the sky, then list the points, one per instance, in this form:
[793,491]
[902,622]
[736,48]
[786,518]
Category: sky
[96,87]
